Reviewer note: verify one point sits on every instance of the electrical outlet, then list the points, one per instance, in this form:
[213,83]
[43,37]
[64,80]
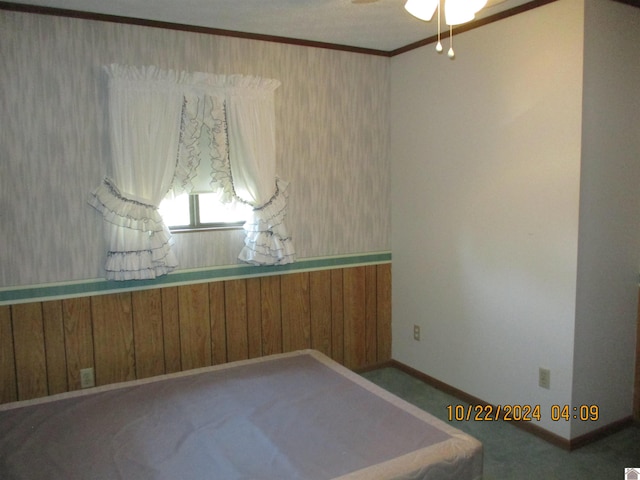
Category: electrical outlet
[544,378]
[87,378]
[416,332]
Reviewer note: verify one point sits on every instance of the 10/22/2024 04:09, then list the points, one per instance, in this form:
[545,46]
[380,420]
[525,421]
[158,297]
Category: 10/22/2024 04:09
[518,413]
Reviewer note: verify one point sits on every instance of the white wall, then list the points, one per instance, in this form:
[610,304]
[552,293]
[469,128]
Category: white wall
[609,238]
[485,197]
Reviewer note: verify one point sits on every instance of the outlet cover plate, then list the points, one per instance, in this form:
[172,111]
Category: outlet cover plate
[87,379]
[544,378]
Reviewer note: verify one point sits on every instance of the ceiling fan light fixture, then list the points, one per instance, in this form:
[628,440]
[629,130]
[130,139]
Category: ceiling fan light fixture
[478,5]
[422,9]
[457,12]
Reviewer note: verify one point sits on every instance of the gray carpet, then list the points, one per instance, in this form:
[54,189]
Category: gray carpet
[511,453]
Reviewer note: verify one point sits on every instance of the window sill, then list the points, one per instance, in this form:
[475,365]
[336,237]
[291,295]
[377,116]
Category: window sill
[212,228]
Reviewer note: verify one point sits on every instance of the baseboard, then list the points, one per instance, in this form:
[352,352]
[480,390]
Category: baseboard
[376,366]
[602,432]
[542,433]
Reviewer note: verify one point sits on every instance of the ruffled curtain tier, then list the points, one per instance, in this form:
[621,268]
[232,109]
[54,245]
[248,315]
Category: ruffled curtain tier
[125,212]
[267,241]
[203,157]
[139,242]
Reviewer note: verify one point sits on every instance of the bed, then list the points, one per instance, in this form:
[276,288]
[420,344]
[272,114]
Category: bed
[298,415]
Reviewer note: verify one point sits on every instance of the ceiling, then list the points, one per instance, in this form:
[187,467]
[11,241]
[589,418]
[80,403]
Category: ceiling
[381,25]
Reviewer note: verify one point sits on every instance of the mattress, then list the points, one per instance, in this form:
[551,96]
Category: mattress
[297,415]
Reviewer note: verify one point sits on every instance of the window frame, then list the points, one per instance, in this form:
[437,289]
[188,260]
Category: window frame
[196,225]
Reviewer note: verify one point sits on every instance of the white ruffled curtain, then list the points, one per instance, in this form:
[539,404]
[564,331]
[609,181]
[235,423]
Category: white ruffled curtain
[159,122]
[145,107]
[252,154]
[203,155]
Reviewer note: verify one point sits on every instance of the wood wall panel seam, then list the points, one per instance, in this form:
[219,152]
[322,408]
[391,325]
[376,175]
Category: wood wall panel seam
[195,326]
[219,353]
[235,298]
[371,317]
[171,330]
[30,356]
[8,380]
[354,292]
[79,339]
[337,315]
[55,347]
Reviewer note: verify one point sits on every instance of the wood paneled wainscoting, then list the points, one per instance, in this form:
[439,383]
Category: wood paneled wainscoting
[343,312]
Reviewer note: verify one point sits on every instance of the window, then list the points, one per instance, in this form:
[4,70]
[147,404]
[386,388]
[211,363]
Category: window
[157,113]
[203,211]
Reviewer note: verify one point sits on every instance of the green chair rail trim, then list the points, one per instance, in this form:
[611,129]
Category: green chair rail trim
[52,291]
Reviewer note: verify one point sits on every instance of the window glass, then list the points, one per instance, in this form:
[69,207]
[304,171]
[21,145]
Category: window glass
[202,211]
[212,211]
[175,211]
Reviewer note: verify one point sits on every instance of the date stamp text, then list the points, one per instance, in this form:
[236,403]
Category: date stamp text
[520,413]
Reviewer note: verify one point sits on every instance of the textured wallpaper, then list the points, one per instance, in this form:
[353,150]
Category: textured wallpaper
[332,140]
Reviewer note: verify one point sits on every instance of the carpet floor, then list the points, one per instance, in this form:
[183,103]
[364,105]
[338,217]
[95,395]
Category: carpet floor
[510,452]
